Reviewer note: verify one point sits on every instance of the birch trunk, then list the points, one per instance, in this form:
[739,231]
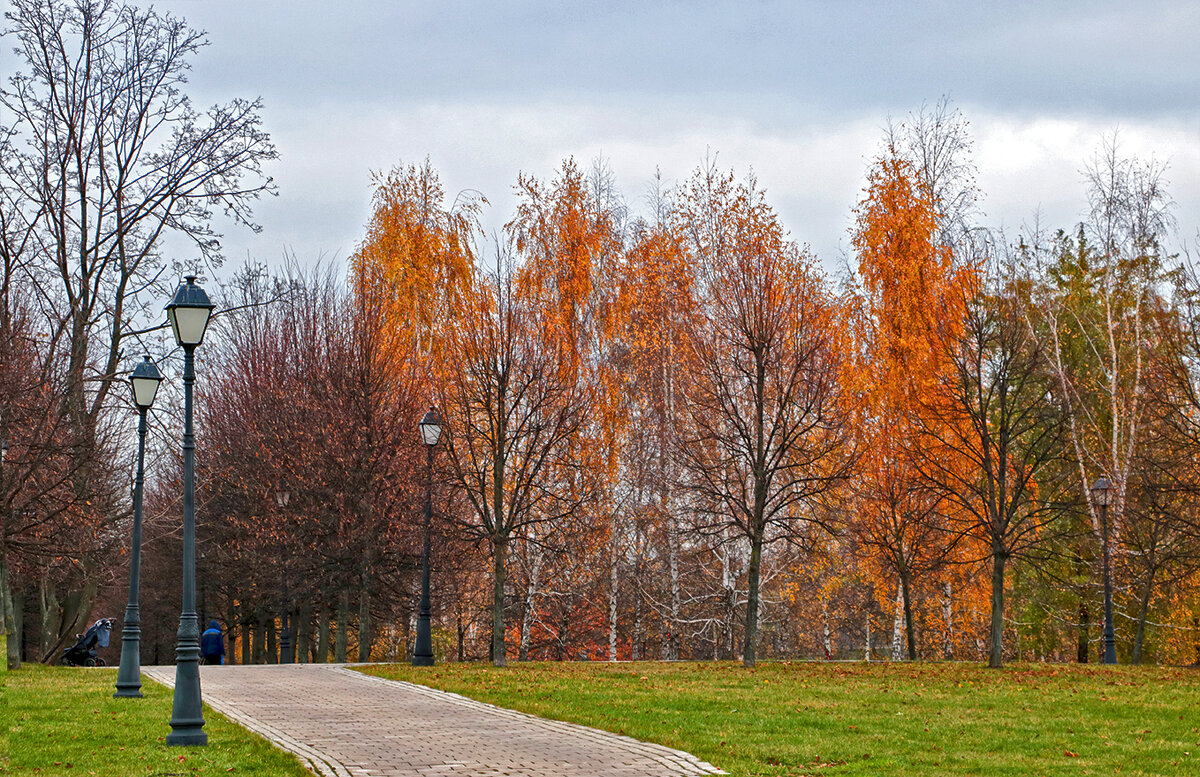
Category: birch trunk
[529,606]
[898,626]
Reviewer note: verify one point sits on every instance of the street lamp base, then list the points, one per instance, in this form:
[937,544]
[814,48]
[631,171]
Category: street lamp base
[131,692]
[187,738]
[422,661]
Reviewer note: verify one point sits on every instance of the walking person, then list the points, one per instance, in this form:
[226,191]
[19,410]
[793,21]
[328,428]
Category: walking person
[212,644]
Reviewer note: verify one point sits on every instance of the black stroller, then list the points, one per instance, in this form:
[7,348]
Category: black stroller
[83,653]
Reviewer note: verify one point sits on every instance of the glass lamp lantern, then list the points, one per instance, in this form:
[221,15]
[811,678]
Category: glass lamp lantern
[189,312]
[144,380]
[431,427]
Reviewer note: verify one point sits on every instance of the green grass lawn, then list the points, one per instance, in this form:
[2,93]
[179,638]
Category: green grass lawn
[64,721]
[866,719]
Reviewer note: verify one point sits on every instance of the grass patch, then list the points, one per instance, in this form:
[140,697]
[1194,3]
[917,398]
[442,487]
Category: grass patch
[64,721]
[865,719]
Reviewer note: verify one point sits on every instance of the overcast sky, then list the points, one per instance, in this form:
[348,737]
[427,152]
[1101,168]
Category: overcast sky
[799,91]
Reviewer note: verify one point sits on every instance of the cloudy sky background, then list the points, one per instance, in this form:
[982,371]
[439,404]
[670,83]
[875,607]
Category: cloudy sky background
[800,91]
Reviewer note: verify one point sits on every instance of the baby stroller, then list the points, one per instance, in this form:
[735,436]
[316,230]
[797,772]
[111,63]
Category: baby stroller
[83,653]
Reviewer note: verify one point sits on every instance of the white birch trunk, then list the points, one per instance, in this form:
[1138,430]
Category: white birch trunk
[867,651]
[612,604]
[898,627]
[948,615]
[530,603]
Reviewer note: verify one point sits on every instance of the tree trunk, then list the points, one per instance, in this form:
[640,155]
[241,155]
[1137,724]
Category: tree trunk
[909,630]
[867,650]
[612,605]
[996,651]
[898,626]
[11,638]
[462,636]
[1081,640]
[49,610]
[670,645]
[635,641]
[343,626]
[1143,614]
[499,553]
[364,621]
[323,616]
[750,638]
[260,639]
[827,635]
[529,606]
[302,640]
[948,616]
[247,656]
[272,643]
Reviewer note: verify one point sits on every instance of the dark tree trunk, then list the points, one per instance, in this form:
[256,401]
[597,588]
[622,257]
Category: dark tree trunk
[909,630]
[1143,614]
[996,651]
[499,553]
[1081,643]
[750,638]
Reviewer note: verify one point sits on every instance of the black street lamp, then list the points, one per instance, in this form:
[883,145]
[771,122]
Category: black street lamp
[286,656]
[431,430]
[188,313]
[1101,490]
[144,381]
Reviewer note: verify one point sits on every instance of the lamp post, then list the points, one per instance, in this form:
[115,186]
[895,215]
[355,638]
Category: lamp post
[431,430]
[1101,491]
[188,313]
[286,655]
[144,381]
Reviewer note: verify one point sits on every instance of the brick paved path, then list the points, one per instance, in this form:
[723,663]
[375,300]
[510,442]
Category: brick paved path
[343,723]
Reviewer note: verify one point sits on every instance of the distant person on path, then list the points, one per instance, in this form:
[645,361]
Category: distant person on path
[212,644]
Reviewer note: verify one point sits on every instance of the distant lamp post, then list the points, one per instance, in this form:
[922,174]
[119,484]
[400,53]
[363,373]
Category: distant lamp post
[144,381]
[188,313]
[431,431]
[1102,494]
[286,655]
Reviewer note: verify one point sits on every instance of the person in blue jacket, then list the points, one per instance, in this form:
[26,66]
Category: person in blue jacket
[212,644]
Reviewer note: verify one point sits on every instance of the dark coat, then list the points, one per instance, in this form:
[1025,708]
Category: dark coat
[212,641]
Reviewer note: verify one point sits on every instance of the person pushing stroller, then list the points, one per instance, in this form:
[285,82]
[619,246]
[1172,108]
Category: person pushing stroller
[212,644]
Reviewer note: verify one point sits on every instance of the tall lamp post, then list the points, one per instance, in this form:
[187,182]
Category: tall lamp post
[431,430]
[1101,491]
[286,655]
[188,313]
[144,381]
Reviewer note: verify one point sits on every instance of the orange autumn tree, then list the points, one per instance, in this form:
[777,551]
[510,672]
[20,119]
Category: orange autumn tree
[657,293]
[418,255]
[909,303]
[568,233]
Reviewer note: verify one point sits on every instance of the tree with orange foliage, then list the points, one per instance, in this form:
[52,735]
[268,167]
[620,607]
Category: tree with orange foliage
[658,300]
[907,306]
[418,255]
[766,411]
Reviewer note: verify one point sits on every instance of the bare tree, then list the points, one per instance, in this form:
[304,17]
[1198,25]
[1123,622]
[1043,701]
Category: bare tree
[511,412]
[991,437]
[101,159]
[768,421]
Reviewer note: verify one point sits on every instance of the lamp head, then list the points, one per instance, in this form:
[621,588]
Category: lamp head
[144,379]
[189,312]
[431,427]
[1101,491]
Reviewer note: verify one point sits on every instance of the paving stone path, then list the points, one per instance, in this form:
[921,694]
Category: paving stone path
[343,723]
